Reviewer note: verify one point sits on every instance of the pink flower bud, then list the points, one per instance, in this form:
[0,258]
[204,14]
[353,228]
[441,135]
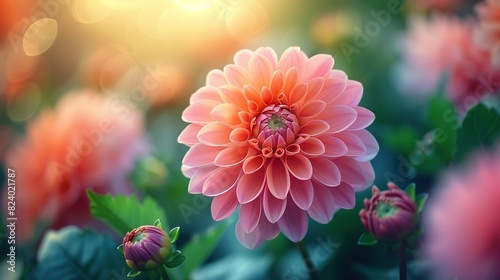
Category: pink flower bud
[146,247]
[389,215]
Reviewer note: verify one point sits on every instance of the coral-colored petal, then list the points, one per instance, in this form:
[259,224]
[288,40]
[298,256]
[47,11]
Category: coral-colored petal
[297,94]
[268,229]
[249,240]
[278,178]
[189,135]
[334,147]
[323,205]
[351,95]
[216,78]
[250,186]
[335,73]
[318,66]
[239,136]
[344,196]
[250,214]
[355,146]
[214,134]
[242,57]
[302,193]
[312,146]
[199,112]
[326,172]
[370,143]
[231,156]
[226,113]
[221,181]
[233,95]
[273,207]
[299,166]
[205,93]
[201,155]
[224,205]
[339,117]
[237,75]
[270,54]
[293,223]
[253,163]
[312,108]
[364,119]
[314,87]
[293,57]
[359,175]
[195,185]
[314,127]
[332,88]
[260,70]
[277,82]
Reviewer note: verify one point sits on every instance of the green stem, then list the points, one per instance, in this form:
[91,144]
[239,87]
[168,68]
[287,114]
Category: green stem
[313,273]
[163,273]
[402,262]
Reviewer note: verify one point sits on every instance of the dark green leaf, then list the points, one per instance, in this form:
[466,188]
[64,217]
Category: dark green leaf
[124,213]
[480,129]
[174,234]
[443,120]
[367,239]
[410,190]
[176,261]
[72,253]
[420,201]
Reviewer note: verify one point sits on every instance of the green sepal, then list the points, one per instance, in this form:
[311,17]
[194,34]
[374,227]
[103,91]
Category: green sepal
[157,223]
[120,248]
[420,201]
[410,190]
[367,239]
[133,273]
[174,234]
[175,259]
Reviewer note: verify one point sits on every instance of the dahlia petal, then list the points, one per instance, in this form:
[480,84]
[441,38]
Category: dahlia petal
[277,82]
[314,87]
[344,196]
[226,113]
[312,146]
[224,205]
[302,193]
[249,240]
[270,54]
[221,181]
[268,229]
[250,214]
[332,88]
[292,57]
[364,119]
[359,175]
[231,156]
[253,163]
[260,70]
[239,136]
[214,134]
[204,94]
[266,96]
[237,75]
[293,223]
[370,143]
[195,185]
[201,155]
[298,93]
[216,78]
[188,135]
[199,112]
[278,178]
[335,73]
[299,166]
[339,117]
[318,66]
[242,57]
[323,205]
[314,127]
[334,147]
[250,186]
[326,172]
[351,95]
[233,95]
[251,94]
[312,108]
[355,146]
[291,77]
[273,207]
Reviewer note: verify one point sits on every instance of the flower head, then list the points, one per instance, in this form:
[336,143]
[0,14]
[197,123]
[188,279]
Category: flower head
[283,138]
[489,28]
[146,248]
[389,215]
[462,224]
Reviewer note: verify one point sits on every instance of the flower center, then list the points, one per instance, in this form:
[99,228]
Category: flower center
[275,127]
[384,209]
[276,122]
[137,236]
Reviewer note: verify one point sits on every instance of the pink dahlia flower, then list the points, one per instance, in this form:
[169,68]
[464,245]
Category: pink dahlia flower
[462,223]
[283,138]
[441,5]
[88,141]
[489,27]
[444,49]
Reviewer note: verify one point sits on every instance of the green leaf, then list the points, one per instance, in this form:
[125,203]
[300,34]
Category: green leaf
[71,253]
[410,190]
[174,234]
[176,261]
[367,239]
[480,129]
[420,201]
[443,120]
[124,213]
[157,223]
[401,139]
[201,246]
[133,273]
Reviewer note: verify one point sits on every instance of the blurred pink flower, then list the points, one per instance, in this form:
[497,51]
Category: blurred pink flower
[462,224]
[281,138]
[88,141]
[441,5]
[489,28]
[443,49]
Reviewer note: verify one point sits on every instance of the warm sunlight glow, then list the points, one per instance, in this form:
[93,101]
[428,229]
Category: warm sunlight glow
[39,36]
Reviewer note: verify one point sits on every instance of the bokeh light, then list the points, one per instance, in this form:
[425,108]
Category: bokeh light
[39,36]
